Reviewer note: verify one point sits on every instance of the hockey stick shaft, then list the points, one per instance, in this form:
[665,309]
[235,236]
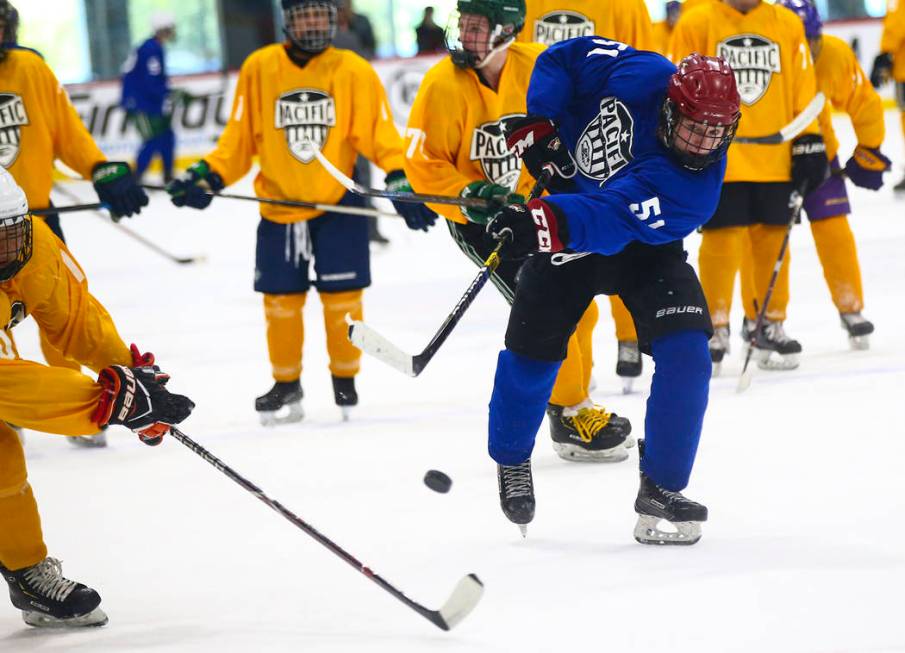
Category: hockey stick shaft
[332,208]
[68,209]
[432,615]
[799,124]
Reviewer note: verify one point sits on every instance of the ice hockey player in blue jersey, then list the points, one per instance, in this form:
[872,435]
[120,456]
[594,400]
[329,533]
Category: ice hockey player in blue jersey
[639,151]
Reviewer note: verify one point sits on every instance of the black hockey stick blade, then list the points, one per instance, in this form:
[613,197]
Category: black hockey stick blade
[799,123]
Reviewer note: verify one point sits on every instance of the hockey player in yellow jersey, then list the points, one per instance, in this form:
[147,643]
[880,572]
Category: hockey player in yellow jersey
[40,278]
[292,97]
[37,125]
[890,63]
[766,47]
[840,78]
[457,131]
[627,21]
[663,28]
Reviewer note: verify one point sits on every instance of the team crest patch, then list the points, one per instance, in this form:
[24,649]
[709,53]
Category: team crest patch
[754,59]
[306,116]
[605,146]
[12,117]
[561,25]
[488,145]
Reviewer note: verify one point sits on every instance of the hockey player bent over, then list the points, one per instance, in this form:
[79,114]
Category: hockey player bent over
[291,97]
[649,144]
[458,147]
[40,278]
[890,63]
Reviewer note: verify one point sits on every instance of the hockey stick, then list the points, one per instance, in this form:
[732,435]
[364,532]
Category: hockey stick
[398,196]
[333,208]
[795,203]
[187,260]
[799,123]
[460,603]
[371,342]
[68,209]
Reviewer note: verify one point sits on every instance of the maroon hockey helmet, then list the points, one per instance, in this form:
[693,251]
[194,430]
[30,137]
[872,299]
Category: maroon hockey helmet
[701,111]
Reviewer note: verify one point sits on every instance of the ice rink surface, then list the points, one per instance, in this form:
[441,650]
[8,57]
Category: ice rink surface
[803,474]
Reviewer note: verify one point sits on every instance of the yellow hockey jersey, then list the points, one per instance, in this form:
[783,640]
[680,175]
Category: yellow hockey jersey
[455,133]
[552,21]
[772,63]
[335,102]
[845,85]
[661,34]
[893,39]
[52,289]
[39,124]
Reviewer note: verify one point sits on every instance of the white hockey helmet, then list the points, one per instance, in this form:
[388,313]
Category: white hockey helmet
[162,20]
[15,227]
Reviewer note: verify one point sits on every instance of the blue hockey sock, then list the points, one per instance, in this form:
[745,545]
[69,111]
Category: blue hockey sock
[521,389]
[675,408]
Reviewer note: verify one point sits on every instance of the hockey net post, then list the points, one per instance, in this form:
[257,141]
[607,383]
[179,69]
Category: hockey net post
[799,124]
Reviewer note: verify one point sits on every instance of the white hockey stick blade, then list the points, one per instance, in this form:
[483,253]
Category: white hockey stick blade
[374,344]
[744,381]
[462,601]
[799,123]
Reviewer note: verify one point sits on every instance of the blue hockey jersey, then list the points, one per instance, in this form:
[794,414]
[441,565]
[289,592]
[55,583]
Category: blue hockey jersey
[145,81]
[605,97]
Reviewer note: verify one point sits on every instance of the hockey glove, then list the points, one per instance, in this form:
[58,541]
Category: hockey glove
[116,187]
[417,216]
[537,142]
[809,163]
[497,196]
[186,191]
[536,227]
[881,71]
[866,167]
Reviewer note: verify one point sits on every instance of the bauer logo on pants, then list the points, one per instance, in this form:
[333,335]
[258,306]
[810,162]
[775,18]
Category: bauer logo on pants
[753,59]
[306,115]
[561,25]
[488,145]
[605,146]
[12,117]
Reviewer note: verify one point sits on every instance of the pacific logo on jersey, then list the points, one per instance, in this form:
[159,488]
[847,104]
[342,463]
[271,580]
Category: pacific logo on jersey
[306,115]
[488,145]
[605,146]
[561,25]
[753,59]
[12,117]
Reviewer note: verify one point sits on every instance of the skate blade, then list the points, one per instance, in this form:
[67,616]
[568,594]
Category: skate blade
[95,618]
[346,412]
[628,383]
[629,441]
[685,533]
[859,343]
[779,363]
[96,441]
[523,529]
[292,415]
[574,453]
[716,369]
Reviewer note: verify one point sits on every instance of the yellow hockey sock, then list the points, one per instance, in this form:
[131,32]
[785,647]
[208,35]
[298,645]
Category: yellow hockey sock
[718,261]
[765,243]
[285,334]
[574,376]
[839,258]
[21,539]
[345,358]
[625,325]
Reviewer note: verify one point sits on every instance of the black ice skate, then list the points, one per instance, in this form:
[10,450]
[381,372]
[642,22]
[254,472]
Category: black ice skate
[345,395]
[773,349]
[858,328]
[719,347]
[48,600]
[283,394]
[96,441]
[655,504]
[628,363]
[517,494]
[899,189]
[587,433]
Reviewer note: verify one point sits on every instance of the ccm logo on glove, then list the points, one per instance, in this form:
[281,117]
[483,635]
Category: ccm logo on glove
[544,239]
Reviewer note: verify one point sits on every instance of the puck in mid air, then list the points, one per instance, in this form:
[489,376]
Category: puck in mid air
[437,481]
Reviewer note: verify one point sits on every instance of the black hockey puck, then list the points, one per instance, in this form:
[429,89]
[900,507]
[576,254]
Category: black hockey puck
[437,481]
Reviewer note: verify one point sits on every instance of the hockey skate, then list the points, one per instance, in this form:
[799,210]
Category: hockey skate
[719,347]
[899,189]
[48,600]
[859,330]
[628,364]
[96,441]
[587,433]
[283,394]
[517,494]
[344,395]
[773,349]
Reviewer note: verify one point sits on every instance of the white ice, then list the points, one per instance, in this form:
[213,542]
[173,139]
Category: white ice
[803,474]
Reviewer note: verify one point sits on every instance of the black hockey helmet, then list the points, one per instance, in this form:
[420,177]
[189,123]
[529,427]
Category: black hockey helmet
[310,25]
[9,19]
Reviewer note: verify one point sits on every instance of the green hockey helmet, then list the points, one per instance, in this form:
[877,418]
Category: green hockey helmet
[506,19]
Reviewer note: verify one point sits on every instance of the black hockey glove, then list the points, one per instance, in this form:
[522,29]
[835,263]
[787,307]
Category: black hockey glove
[497,197]
[187,191]
[417,216]
[810,167]
[135,397]
[535,227]
[116,187]
[881,71]
[537,142]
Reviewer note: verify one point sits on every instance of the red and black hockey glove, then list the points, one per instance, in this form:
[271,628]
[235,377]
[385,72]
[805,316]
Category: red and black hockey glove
[866,167]
[534,227]
[537,142]
[135,397]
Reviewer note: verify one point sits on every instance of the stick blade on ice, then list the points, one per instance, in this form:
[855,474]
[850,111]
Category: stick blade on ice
[461,602]
[374,344]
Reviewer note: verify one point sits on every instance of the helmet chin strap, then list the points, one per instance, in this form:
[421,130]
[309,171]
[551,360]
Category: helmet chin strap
[494,50]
